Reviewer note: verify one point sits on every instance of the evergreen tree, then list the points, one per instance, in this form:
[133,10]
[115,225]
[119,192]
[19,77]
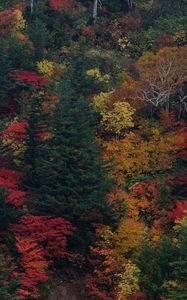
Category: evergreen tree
[8,285]
[155,266]
[71,172]
[177,285]
[4,74]
[8,213]
[33,142]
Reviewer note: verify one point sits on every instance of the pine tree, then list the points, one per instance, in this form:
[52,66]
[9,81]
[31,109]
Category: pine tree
[71,172]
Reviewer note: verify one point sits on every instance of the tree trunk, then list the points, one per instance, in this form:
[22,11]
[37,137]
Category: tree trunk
[129,4]
[95,10]
[32,5]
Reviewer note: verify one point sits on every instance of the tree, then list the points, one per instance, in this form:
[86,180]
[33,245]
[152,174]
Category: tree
[8,276]
[61,4]
[33,267]
[176,286]
[8,212]
[162,76]
[129,281]
[155,267]
[71,173]
[10,180]
[5,81]
[49,233]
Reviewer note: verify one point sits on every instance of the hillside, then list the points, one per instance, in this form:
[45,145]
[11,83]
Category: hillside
[93,149]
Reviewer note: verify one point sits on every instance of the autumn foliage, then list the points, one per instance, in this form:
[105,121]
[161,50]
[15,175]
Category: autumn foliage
[28,77]
[93,149]
[8,18]
[61,4]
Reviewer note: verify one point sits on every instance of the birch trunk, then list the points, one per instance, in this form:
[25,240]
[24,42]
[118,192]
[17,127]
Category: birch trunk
[32,5]
[95,10]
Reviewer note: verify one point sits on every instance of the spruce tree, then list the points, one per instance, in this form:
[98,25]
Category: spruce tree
[71,172]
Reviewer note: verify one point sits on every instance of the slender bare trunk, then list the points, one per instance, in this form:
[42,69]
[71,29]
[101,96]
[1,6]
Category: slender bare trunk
[32,5]
[95,10]
[129,4]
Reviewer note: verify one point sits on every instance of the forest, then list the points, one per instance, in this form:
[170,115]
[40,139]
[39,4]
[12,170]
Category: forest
[93,149]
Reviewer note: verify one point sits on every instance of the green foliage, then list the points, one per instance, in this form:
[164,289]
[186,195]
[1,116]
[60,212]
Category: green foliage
[8,213]
[7,286]
[65,171]
[4,73]
[155,266]
[40,37]
[176,287]
[71,173]
[19,54]
[33,142]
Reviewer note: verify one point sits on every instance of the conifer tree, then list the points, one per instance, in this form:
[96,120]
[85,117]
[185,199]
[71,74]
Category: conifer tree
[177,285]
[8,213]
[71,172]
[33,142]
[5,69]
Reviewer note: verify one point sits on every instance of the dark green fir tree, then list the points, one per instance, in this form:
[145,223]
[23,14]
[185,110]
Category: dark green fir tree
[71,172]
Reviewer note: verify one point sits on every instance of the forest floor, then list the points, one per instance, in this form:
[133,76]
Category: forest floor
[74,290]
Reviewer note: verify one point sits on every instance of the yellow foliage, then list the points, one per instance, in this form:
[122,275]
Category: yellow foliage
[101,101]
[45,67]
[128,238]
[134,156]
[128,280]
[95,73]
[119,118]
[20,22]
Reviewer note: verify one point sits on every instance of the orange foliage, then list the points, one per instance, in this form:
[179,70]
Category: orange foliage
[161,74]
[7,18]
[33,266]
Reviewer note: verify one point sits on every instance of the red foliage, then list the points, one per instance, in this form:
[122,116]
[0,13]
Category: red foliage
[39,240]
[93,290]
[49,232]
[168,120]
[142,189]
[61,4]
[11,181]
[33,267]
[130,23]
[89,32]
[178,213]
[163,41]
[15,130]
[29,77]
